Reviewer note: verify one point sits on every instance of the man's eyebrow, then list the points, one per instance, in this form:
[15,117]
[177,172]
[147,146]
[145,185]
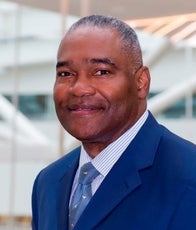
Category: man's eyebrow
[107,61]
[63,63]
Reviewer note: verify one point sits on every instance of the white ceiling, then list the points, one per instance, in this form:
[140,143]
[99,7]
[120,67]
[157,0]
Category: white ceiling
[175,28]
[124,9]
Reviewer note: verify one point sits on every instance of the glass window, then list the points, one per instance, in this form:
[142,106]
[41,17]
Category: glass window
[176,111]
[35,107]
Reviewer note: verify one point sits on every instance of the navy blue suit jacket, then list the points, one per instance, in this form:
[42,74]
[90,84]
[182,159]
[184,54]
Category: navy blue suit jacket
[151,187]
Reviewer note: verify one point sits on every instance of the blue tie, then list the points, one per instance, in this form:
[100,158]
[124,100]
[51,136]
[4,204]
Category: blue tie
[82,194]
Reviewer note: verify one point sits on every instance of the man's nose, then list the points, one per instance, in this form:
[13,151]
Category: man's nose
[82,86]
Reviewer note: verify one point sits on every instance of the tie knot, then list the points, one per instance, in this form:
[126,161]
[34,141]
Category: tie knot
[87,173]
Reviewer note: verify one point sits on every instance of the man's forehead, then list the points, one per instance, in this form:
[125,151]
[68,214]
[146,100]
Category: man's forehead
[91,36]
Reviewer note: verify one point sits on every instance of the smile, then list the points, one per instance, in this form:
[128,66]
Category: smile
[84,109]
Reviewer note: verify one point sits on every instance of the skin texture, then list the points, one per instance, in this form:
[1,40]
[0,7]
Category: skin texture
[97,96]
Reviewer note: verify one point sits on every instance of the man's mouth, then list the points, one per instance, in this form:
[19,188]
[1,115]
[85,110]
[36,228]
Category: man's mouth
[84,109]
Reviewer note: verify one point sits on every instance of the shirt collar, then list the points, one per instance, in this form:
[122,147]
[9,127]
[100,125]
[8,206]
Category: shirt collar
[105,160]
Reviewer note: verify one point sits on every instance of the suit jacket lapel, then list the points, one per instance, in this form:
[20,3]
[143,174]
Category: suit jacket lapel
[64,191]
[124,177]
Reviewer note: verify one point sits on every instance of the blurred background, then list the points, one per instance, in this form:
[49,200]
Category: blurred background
[30,32]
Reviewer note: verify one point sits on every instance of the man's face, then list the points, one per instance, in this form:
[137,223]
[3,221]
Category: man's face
[95,93]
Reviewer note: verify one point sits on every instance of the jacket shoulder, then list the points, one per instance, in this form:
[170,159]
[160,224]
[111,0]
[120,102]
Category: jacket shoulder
[57,168]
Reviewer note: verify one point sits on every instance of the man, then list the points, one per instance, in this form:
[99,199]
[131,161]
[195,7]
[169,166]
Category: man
[147,175]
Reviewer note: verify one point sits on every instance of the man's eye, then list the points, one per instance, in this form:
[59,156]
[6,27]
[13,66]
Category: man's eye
[102,72]
[64,74]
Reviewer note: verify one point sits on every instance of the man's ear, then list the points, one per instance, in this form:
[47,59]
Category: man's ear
[142,78]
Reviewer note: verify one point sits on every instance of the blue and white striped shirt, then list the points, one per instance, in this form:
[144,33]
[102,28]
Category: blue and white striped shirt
[106,159]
